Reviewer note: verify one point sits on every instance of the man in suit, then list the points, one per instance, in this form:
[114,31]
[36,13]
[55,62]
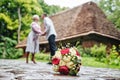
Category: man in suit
[50,34]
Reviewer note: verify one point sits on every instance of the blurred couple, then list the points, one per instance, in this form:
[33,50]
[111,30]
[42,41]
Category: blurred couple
[33,40]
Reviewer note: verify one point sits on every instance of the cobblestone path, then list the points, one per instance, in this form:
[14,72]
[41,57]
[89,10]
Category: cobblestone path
[19,70]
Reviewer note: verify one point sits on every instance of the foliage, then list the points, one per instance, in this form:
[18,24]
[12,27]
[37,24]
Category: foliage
[87,52]
[7,49]
[9,21]
[9,16]
[99,51]
[42,57]
[113,58]
[50,9]
[112,10]
[84,52]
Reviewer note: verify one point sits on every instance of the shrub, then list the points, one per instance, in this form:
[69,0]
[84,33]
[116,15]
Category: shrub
[83,51]
[99,51]
[41,56]
[113,58]
[100,54]
[7,49]
[80,49]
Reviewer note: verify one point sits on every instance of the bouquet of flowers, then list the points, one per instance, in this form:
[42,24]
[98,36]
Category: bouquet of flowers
[67,61]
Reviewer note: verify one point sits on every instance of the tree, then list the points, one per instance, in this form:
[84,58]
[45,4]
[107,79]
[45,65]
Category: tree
[15,19]
[112,10]
[15,16]
[17,13]
[50,9]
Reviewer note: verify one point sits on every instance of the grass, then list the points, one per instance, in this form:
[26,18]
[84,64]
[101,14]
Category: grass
[86,61]
[40,57]
[91,61]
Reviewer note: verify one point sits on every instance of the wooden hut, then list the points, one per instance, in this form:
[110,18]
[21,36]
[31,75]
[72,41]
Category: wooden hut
[86,23]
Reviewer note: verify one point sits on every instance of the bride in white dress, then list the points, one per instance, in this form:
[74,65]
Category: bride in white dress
[33,40]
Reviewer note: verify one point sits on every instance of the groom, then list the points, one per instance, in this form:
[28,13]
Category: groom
[50,34]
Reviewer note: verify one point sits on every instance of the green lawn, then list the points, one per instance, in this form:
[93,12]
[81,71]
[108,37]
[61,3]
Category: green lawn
[86,61]
[40,57]
[90,61]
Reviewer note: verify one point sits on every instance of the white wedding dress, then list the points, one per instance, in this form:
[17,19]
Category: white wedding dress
[33,40]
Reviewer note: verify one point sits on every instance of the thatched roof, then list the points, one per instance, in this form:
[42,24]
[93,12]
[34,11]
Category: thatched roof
[81,21]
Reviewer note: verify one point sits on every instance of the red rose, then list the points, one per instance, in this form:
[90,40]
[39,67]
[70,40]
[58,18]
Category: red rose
[64,70]
[55,61]
[77,53]
[65,51]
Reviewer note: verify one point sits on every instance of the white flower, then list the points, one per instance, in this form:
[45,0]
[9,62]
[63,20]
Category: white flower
[67,58]
[57,55]
[70,64]
[55,68]
[62,63]
[72,51]
[70,60]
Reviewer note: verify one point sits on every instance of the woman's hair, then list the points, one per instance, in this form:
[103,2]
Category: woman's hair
[35,17]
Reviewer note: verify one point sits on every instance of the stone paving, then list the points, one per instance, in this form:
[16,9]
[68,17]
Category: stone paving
[19,70]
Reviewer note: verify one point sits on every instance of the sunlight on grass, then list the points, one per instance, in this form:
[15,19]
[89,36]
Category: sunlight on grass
[38,57]
[90,61]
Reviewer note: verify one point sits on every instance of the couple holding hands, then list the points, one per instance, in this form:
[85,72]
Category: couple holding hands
[33,41]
